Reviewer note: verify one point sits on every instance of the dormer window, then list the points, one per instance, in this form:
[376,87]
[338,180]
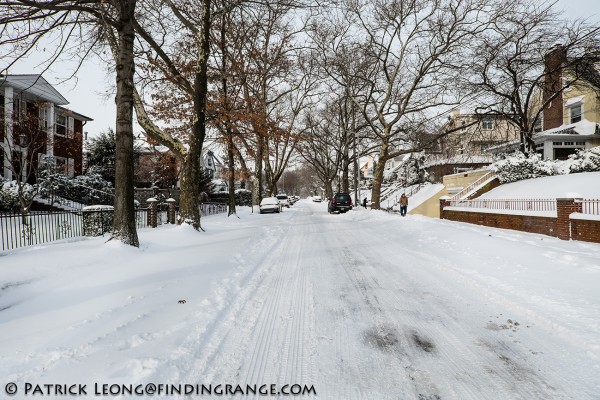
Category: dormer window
[575,112]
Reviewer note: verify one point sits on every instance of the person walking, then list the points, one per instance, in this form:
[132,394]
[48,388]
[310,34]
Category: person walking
[403,204]
[364,203]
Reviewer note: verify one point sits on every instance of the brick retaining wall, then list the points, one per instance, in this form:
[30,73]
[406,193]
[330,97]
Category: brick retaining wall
[562,226]
[585,230]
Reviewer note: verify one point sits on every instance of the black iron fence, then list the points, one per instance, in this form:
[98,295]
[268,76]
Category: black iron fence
[21,230]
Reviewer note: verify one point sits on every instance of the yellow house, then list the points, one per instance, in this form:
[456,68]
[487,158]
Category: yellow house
[571,121]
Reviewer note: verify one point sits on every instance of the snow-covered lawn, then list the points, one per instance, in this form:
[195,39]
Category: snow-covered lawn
[362,305]
[584,184]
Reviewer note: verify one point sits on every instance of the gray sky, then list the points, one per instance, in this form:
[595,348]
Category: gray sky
[87,94]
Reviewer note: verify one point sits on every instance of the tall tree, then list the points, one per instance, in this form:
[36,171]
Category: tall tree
[408,50]
[526,60]
[30,21]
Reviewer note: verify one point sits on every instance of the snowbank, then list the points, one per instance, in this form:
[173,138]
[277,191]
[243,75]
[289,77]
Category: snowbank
[586,184]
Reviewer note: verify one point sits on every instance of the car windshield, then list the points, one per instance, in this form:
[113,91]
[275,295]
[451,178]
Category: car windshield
[342,197]
[269,200]
[282,197]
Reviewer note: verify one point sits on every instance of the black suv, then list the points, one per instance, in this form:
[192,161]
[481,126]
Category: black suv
[341,202]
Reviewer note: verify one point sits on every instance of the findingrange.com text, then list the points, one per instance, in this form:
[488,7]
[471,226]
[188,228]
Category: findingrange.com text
[154,389]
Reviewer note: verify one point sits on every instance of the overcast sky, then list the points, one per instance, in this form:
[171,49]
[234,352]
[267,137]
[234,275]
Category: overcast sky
[87,94]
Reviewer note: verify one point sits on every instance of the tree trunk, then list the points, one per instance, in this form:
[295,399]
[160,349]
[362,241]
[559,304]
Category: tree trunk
[378,177]
[227,122]
[258,173]
[189,211]
[231,183]
[124,214]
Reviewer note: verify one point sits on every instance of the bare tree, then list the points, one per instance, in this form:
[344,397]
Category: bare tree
[407,52]
[526,60]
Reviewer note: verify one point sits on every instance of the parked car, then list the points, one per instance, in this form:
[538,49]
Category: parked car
[340,202]
[283,199]
[316,199]
[269,205]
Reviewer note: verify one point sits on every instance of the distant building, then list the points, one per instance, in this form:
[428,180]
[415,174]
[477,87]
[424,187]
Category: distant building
[35,123]
[473,134]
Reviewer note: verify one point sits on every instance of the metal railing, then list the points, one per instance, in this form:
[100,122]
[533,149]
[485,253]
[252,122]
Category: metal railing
[20,230]
[508,204]
[473,185]
[212,208]
[590,206]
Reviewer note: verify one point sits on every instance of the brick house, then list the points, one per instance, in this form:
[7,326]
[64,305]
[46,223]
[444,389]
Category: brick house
[35,123]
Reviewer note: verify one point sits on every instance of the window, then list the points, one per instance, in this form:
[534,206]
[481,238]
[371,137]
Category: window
[575,113]
[557,143]
[568,143]
[61,125]
[580,143]
[64,126]
[487,124]
[64,166]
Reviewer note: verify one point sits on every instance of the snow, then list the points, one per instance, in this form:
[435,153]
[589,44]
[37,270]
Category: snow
[424,194]
[586,184]
[361,305]
[102,207]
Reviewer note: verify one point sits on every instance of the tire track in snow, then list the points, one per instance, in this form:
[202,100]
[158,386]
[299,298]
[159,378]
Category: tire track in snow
[507,368]
[270,320]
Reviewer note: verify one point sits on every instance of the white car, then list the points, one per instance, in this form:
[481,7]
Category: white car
[269,204]
[283,199]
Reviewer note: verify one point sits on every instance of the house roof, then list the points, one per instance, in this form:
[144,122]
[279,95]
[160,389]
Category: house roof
[76,115]
[34,85]
[581,128]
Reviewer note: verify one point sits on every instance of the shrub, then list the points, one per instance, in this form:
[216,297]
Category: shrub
[585,161]
[518,166]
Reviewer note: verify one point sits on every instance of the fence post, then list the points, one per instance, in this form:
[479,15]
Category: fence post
[564,208]
[152,212]
[444,202]
[171,213]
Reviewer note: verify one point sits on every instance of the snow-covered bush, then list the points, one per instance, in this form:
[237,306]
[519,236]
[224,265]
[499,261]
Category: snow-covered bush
[9,198]
[517,166]
[412,172]
[585,161]
[9,195]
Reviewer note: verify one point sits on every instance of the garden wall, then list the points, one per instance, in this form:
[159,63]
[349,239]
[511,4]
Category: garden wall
[567,223]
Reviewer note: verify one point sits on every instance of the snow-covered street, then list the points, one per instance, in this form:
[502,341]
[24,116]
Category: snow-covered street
[362,305]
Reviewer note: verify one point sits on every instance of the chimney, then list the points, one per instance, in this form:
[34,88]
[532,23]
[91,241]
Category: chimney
[553,65]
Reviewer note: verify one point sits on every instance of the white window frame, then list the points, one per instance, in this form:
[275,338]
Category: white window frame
[485,122]
[571,107]
[57,118]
